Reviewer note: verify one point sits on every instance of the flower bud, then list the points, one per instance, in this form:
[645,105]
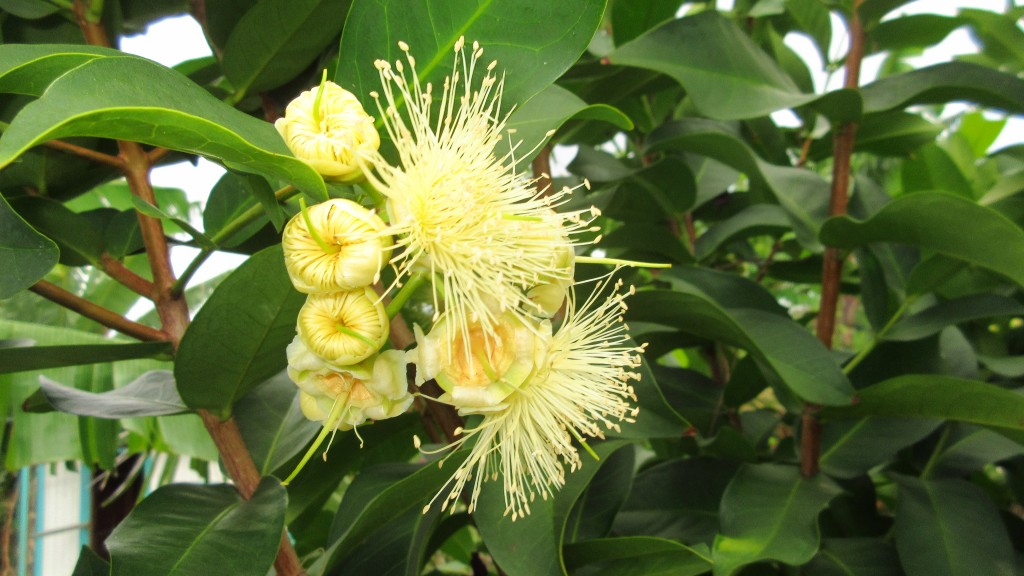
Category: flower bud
[374,389]
[549,294]
[343,328]
[480,369]
[345,249]
[332,138]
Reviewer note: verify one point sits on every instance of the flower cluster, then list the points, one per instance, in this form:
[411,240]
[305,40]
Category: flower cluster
[500,259]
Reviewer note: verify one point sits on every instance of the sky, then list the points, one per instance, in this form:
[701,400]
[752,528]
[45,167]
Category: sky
[175,40]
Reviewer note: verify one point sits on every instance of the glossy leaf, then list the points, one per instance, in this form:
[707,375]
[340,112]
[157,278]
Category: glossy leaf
[145,102]
[29,68]
[190,529]
[637,556]
[152,394]
[912,31]
[969,448]
[90,564]
[531,51]
[20,359]
[237,339]
[800,192]
[381,494]
[724,72]
[948,82]
[945,223]
[940,397]
[771,512]
[533,544]
[849,449]
[755,220]
[783,348]
[25,255]
[855,557]
[274,428]
[277,39]
[631,19]
[80,241]
[957,522]
[932,320]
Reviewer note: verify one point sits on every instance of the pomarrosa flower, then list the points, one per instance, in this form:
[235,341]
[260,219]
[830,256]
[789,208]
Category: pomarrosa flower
[579,387]
[479,373]
[343,328]
[328,129]
[374,389]
[455,208]
[337,245]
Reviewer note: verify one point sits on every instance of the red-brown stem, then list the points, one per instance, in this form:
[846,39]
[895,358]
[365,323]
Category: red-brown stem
[85,153]
[98,313]
[118,271]
[174,313]
[156,154]
[832,269]
[542,169]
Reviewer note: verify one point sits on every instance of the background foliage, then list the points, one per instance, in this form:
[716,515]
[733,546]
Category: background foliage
[834,372]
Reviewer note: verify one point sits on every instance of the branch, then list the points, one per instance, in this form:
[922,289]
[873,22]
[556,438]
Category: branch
[118,271]
[832,269]
[84,152]
[97,313]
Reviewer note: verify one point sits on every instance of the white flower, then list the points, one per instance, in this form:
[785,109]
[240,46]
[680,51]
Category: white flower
[334,246]
[343,328]
[332,136]
[579,387]
[374,389]
[456,209]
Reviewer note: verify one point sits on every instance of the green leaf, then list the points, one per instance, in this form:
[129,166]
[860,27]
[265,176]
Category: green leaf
[945,223]
[855,557]
[727,289]
[150,210]
[933,320]
[969,448]
[769,511]
[677,499]
[641,241]
[20,359]
[152,394]
[802,193]
[948,82]
[277,39]
[238,338]
[754,220]
[90,564]
[381,494]
[549,110]
[533,544]
[895,133]
[913,31]
[145,102]
[631,19]
[533,43]
[724,72]
[25,255]
[956,523]
[273,426]
[637,556]
[29,68]
[783,349]
[594,513]
[189,529]
[79,240]
[812,17]
[231,197]
[849,449]
[930,396]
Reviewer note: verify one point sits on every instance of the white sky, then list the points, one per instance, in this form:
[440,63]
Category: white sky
[175,40]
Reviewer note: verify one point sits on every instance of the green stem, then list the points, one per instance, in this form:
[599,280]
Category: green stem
[856,360]
[95,11]
[618,262]
[319,96]
[934,458]
[329,249]
[406,292]
[583,443]
[378,199]
[329,426]
[226,233]
[350,332]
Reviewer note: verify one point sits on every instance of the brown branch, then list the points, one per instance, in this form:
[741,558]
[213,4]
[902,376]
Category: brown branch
[832,269]
[118,271]
[97,313]
[174,313]
[8,531]
[542,169]
[156,154]
[84,152]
